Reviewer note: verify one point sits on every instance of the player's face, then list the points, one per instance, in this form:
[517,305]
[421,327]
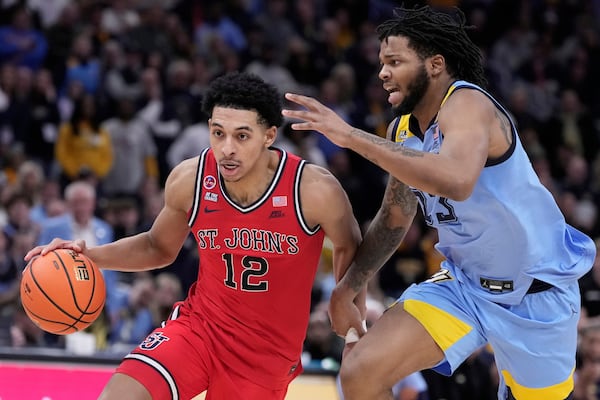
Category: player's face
[238,141]
[403,74]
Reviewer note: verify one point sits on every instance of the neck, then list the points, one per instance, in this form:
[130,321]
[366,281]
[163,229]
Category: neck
[430,105]
[252,186]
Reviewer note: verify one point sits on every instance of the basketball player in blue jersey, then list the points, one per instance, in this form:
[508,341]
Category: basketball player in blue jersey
[511,266]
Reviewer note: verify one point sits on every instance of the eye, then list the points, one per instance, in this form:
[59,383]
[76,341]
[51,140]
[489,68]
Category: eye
[243,136]
[217,133]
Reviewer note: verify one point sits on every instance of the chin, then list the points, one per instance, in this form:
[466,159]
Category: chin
[401,109]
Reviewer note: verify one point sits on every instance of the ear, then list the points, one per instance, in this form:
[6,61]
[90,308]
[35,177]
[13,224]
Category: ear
[436,64]
[270,136]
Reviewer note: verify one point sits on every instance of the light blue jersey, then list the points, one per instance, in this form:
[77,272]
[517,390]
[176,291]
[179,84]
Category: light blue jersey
[509,231]
[510,275]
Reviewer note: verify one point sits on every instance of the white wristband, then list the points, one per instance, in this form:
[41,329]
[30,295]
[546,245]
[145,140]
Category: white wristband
[351,336]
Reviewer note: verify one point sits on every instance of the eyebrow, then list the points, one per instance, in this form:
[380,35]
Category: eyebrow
[239,128]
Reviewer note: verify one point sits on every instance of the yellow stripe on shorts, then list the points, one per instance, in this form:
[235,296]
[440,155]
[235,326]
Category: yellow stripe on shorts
[445,328]
[559,391]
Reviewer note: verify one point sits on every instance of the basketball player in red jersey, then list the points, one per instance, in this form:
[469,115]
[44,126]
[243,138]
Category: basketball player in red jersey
[259,216]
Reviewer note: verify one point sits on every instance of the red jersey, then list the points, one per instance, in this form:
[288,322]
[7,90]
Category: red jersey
[257,267]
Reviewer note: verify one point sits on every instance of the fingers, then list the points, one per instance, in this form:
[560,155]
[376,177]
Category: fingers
[305,101]
[303,126]
[77,245]
[32,253]
[311,106]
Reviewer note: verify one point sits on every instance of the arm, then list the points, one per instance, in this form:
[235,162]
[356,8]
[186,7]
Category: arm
[382,238]
[154,248]
[452,173]
[325,203]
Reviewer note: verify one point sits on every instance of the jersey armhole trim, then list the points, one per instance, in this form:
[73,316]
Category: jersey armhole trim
[197,188]
[298,204]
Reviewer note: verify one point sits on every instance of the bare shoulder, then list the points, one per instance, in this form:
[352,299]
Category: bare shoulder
[318,179]
[467,103]
[179,188]
[322,196]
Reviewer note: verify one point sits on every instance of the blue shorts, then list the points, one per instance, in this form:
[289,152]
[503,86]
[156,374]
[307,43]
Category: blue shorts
[534,342]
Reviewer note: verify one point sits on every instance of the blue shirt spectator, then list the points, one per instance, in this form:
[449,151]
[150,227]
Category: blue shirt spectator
[20,44]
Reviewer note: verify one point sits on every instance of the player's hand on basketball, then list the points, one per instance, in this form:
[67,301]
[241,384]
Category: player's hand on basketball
[318,117]
[57,243]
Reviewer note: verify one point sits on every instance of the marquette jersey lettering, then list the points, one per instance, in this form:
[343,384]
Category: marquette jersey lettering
[252,257]
[494,234]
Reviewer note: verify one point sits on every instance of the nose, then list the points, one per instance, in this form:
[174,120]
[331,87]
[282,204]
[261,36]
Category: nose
[383,73]
[228,146]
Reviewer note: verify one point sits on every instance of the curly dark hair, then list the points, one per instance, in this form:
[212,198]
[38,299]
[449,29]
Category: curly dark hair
[438,31]
[245,91]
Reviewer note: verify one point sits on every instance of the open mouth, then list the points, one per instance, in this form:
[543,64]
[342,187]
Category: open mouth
[394,96]
[229,167]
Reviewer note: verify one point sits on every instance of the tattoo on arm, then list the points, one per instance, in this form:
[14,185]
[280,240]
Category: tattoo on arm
[385,143]
[382,237]
[504,125]
[399,194]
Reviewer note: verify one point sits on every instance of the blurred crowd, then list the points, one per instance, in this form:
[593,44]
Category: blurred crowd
[100,99]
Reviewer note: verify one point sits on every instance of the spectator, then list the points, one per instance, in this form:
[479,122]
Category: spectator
[18,207]
[216,25]
[133,149]
[473,380]
[587,372]
[9,289]
[571,129]
[590,289]
[20,43]
[122,74]
[177,109]
[45,119]
[118,18]
[82,65]
[188,144]
[60,41]
[49,203]
[18,114]
[322,347]
[123,213]
[149,35]
[303,144]
[168,292]
[83,148]
[276,24]
[135,318]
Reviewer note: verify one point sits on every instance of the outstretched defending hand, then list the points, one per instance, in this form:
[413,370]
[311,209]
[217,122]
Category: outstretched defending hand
[318,117]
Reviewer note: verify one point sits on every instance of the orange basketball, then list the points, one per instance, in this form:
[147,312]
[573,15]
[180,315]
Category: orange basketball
[63,291]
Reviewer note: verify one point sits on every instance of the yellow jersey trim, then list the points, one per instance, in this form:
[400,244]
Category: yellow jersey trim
[445,328]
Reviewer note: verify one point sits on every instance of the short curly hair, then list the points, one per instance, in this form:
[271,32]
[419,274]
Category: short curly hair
[245,91]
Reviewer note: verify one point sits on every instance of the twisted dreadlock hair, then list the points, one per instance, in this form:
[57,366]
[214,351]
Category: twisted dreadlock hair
[431,32]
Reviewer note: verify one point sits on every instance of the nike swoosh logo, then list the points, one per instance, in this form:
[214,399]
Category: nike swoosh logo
[208,210]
